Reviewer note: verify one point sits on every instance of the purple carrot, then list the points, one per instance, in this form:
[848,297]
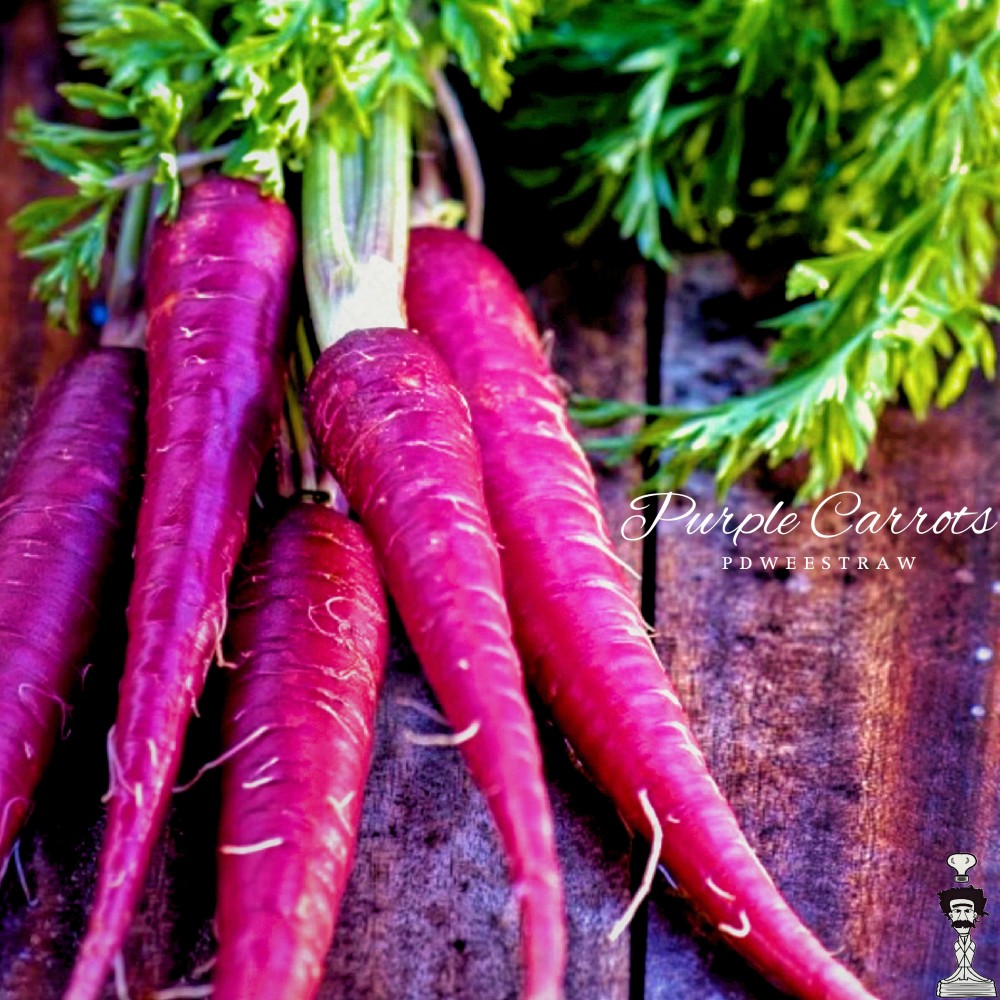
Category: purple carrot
[583,640]
[395,432]
[308,635]
[216,299]
[61,513]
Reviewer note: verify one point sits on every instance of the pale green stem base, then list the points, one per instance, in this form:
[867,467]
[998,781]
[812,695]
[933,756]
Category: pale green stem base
[355,220]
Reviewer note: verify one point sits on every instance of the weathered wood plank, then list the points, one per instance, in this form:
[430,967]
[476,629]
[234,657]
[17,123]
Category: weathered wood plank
[29,352]
[844,712]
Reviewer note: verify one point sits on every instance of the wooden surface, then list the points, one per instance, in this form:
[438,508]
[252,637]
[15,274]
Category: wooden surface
[844,712]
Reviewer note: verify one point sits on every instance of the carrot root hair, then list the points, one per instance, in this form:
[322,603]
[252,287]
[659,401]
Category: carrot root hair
[649,873]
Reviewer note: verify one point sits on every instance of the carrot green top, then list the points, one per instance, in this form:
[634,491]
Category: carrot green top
[865,135]
[248,84]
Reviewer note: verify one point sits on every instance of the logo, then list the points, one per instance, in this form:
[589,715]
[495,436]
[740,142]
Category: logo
[963,905]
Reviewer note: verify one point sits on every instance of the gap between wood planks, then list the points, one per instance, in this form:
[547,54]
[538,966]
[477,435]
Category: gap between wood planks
[656,307]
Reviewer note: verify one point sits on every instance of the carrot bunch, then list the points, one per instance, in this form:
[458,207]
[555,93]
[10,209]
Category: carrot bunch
[437,422]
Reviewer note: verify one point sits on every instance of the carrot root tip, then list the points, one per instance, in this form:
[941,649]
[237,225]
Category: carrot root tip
[121,983]
[184,992]
[32,901]
[116,783]
[243,849]
[425,710]
[737,932]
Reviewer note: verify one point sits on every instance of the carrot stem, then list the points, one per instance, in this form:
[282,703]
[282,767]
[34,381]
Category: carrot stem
[432,204]
[383,227]
[124,326]
[466,157]
[300,439]
[304,350]
[352,189]
[327,255]
[354,272]
[185,161]
[314,478]
[285,459]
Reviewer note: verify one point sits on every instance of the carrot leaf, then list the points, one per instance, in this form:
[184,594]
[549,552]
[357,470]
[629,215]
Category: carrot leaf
[243,83]
[868,133]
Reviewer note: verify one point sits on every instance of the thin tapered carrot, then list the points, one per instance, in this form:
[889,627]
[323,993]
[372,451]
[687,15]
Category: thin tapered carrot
[391,426]
[307,637]
[583,641]
[217,292]
[395,432]
[62,512]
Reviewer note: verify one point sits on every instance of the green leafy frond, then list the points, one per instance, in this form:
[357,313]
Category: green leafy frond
[484,37]
[898,315]
[245,81]
[869,131]
[69,236]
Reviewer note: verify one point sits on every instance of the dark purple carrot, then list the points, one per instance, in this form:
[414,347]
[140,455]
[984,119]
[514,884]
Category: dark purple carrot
[394,430]
[216,298]
[61,513]
[308,635]
[391,426]
[583,640]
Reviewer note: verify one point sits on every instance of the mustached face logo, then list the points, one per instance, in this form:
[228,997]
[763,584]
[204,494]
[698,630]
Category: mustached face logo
[962,912]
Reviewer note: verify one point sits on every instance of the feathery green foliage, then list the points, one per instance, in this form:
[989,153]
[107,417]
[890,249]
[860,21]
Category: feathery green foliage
[240,82]
[870,131]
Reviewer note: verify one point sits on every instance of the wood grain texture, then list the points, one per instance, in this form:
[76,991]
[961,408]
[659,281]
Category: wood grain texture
[844,711]
[29,352]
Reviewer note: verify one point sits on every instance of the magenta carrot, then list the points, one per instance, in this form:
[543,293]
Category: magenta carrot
[216,297]
[61,513]
[390,424]
[308,635]
[583,640]
[395,432]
